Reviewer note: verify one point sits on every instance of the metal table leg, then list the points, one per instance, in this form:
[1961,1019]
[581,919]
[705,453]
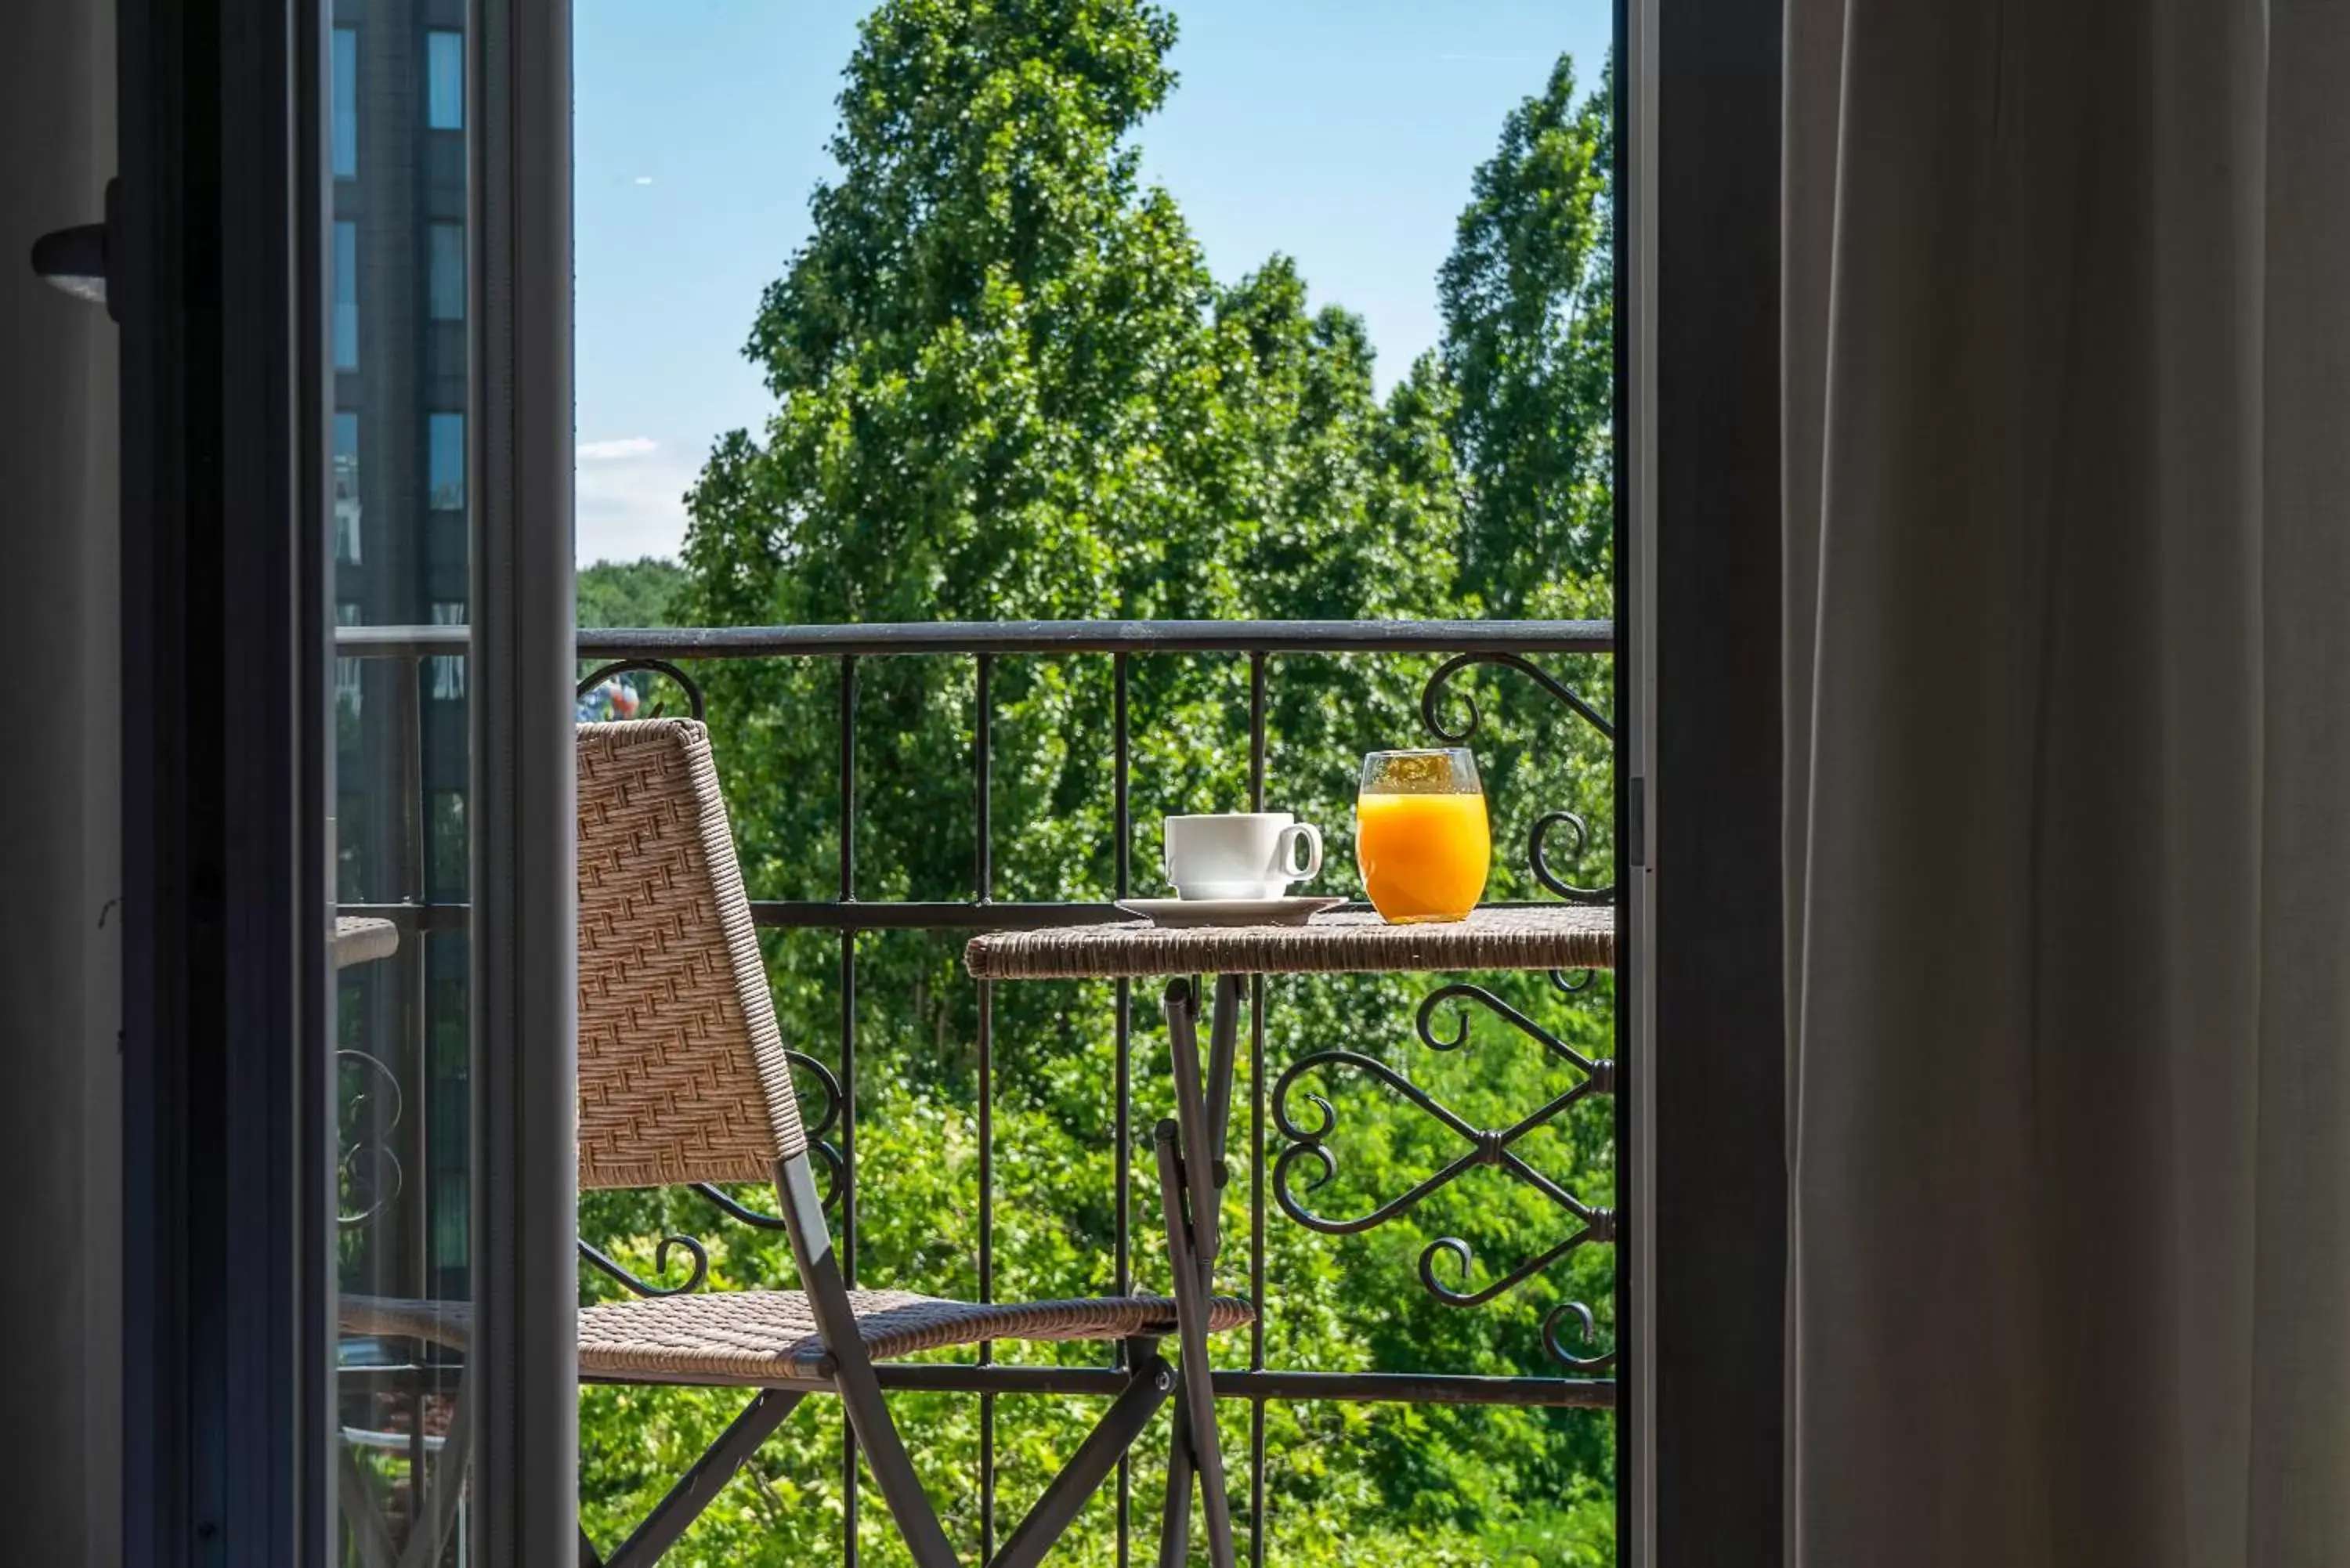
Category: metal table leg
[1202,1111]
[1223,1045]
[1193,1181]
[363,1511]
[1175,1521]
[1198,1384]
[436,1510]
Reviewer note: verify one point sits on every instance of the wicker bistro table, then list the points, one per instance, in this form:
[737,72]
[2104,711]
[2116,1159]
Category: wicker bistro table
[1190,1148]
[1344,941]
[358,941]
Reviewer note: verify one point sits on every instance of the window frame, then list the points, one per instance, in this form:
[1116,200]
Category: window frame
[221,289]
[222,454]
[1702,1459]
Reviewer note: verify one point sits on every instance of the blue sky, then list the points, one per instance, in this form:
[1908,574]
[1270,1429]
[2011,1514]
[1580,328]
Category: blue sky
[1340,131]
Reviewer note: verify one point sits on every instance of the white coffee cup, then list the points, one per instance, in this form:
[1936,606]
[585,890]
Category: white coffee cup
[1240,854]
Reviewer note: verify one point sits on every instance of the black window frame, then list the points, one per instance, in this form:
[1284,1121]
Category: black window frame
[1710,1428]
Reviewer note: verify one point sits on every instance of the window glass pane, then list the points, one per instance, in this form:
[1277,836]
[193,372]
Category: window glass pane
[346,297]
[345,91]
[445,81]
[447,684]
[345,465]
[347,671]
[403,1047]
[448,282]
[445,469]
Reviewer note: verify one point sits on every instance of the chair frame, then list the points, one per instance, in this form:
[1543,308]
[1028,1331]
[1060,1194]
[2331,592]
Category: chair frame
[853,1376]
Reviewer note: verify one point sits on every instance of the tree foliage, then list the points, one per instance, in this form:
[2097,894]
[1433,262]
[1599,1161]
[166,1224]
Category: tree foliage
[1007,385]
[629,593]
[1528,296]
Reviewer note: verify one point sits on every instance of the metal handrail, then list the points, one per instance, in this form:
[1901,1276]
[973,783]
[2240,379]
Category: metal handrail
[1045,637]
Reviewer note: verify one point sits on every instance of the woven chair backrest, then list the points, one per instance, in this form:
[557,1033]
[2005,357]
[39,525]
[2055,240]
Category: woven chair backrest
[683,1076]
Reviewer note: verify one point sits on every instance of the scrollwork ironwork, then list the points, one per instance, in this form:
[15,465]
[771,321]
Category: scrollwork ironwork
[695,1278]
[382,1185]
[830,1098]
[831,1101]
[370,1153]
[726,1203]
[1433,713]
[1556,1318]
[660,667]
[1309,1161]
[1598,1227]
[1461,992]
[1537,843]
[1432,692]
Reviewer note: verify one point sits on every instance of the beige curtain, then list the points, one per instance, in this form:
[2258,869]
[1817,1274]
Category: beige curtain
[2067,548]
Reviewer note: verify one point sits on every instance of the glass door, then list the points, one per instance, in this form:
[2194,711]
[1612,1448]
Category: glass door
[447,451]
[397,368]
[337,250]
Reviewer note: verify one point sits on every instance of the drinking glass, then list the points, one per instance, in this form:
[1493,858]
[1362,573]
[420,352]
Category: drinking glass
[1420,834]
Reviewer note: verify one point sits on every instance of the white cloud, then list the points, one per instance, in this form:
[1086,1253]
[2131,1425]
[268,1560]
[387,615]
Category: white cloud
[630,496]
[616,451]
[644,179]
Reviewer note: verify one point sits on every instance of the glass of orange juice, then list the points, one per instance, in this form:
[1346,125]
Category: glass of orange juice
[1420,834]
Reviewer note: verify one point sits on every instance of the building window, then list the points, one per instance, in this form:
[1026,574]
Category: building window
[448,272]
[346,466]
[444,79]
[448,674]
[445,463]
[449,850]
[347,104]
[347,671]
[346,297]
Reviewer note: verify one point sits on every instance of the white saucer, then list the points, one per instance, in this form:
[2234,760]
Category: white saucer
[1179,912]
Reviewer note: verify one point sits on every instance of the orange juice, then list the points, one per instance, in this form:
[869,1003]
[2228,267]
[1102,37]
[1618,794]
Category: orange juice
[1423,857]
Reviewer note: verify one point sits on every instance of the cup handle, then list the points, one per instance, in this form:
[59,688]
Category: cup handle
[1287,856]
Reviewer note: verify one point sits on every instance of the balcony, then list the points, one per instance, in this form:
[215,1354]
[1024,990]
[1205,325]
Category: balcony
[1421,1186]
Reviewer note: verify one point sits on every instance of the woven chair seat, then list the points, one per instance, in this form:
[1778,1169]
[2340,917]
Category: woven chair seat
[750,1336]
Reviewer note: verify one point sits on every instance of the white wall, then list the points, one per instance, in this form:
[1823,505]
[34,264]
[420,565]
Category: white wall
[59,807]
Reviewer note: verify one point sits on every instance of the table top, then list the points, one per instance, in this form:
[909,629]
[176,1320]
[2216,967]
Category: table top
[1344,941]
[358,941]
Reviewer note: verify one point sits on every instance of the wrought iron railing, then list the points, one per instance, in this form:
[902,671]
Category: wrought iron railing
[1304,1125]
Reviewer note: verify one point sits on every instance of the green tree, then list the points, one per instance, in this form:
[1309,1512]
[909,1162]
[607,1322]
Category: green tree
[647,592]
[1529,350]
[1007,386]
[1528,296]
[629,593]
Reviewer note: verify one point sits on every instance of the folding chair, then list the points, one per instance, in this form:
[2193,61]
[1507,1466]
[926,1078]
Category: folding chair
[684,1078]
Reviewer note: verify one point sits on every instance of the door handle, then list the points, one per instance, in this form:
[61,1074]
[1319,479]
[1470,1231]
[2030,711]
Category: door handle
[79,260]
